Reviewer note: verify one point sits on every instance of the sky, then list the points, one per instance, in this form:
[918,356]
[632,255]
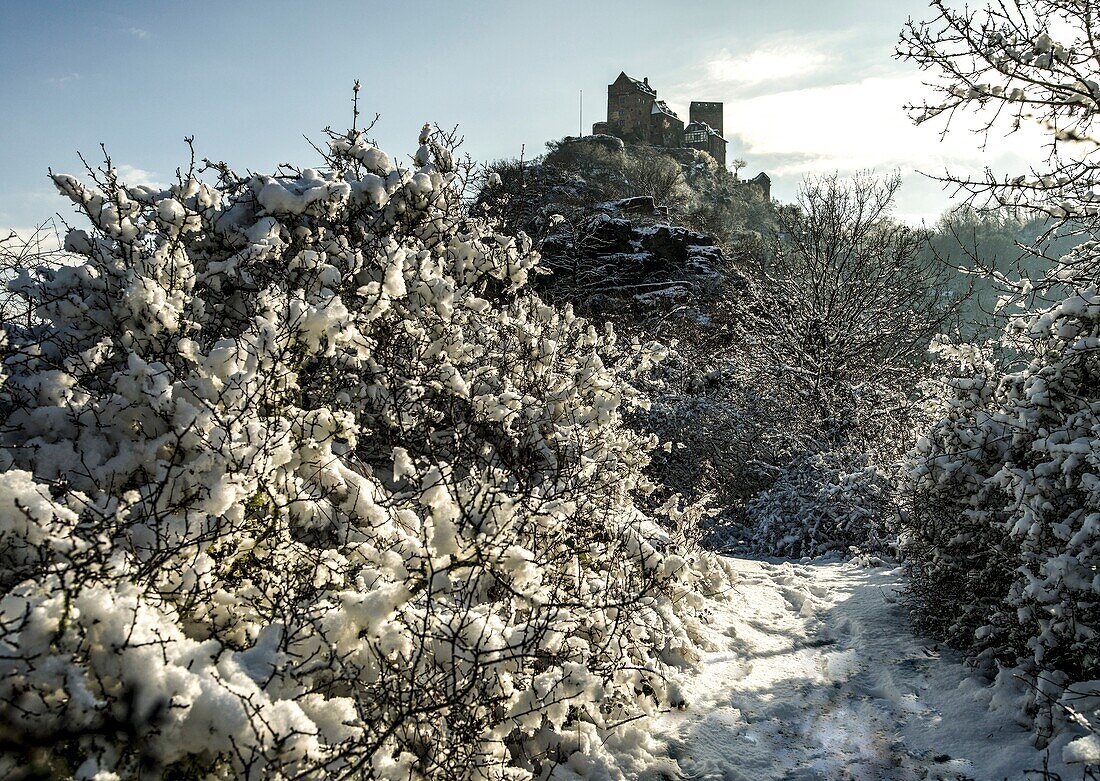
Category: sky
[810,86]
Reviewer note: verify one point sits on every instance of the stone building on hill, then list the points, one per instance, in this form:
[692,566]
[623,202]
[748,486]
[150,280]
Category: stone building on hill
[636,114]
[665,128]
[708,113]
[762,183]
[701,136]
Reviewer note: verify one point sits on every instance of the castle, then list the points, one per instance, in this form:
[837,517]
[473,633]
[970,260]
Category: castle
[636,114]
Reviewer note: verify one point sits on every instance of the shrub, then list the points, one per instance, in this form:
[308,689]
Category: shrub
[1007,477]
[1003,541]
[300,481]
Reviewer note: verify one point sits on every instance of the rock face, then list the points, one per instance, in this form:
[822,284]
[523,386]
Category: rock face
[677,246]
[604,247]
[613,257]
[640,204]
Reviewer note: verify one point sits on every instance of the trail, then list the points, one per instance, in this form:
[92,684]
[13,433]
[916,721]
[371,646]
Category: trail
[818,676]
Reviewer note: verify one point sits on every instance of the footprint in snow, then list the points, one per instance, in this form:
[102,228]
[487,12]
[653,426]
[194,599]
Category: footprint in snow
[798,601]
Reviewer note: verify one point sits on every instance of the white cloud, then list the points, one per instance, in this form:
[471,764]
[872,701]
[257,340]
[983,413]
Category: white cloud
[60,81]
[136,177]
[862,124]
[835,102]
[137,32]
[777,61]
[44,238]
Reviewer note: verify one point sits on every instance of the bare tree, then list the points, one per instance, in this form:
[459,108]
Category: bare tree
[1003,64]
[850,290]
[40,248]
[825,344]
[655,174]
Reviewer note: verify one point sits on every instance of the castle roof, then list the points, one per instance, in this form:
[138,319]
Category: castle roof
[660,107]
[697,126]
[642,86]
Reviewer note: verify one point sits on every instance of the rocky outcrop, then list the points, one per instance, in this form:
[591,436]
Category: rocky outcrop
[613,257]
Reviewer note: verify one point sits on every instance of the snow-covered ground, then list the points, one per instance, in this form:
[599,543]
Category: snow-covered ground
[818,676]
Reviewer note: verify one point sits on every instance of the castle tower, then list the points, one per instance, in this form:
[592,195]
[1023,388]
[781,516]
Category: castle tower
[629,105]
[708,112]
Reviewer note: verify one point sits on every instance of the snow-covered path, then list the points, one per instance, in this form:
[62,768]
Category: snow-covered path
[820,677]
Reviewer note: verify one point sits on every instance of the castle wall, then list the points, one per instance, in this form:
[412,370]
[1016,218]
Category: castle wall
[763,184]
[716,146]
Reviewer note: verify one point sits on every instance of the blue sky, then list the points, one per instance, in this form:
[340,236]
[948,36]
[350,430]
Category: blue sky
[808,86]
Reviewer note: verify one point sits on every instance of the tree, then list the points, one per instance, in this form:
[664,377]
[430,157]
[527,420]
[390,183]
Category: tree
[1004,545]
[1001,64]
[652,173]
[860,302]
[41,247]
[831,337]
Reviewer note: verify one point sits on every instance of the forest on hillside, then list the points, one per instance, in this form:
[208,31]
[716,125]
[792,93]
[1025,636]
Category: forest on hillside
[432,468]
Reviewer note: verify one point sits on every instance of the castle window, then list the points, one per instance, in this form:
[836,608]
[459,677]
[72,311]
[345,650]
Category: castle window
[695,137]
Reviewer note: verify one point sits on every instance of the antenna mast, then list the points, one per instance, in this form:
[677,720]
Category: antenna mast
[580,118]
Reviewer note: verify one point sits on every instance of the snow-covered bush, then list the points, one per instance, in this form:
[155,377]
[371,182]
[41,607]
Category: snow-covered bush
[301,482]
[960,555]
[820,503]
[1004,539]
[40,246]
